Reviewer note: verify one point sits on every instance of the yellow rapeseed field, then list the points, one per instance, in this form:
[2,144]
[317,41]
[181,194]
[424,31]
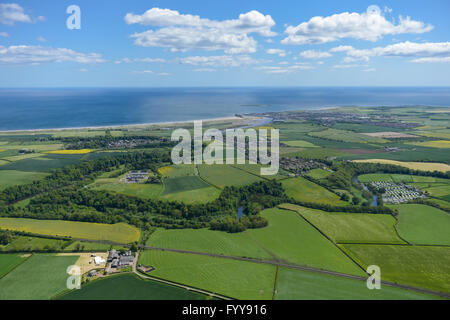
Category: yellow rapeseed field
[165,170]
[423,166]
[441,144]
[81,151]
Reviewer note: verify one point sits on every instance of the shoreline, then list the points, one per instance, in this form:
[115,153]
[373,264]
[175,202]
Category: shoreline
[137,125]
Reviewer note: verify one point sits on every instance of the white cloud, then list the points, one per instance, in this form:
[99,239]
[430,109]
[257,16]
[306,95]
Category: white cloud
[279,52]
[431,60]
[182,32]
[4,34]
[147,60]
[10,13]
[151,72]
[205,70]
[342,49]
[41,39]
[284,70]
[36,54]
[370,25]
[313,54]
[422,52]
[219,61]
[348,66]
[370,70]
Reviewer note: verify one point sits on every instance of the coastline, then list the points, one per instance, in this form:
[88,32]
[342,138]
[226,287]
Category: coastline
[138,125]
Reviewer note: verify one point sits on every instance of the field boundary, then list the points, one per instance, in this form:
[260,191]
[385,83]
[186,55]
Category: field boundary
[12,269]
[323,234]
[305,268]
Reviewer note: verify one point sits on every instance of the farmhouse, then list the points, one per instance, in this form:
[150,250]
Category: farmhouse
[119,260]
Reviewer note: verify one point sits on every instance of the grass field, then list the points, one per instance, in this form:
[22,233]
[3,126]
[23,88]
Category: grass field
[120,232]
[422,166]
[226,175]
[255,169]
[25,244]
[8,262]
[303,285]
[302,189]
[318,173]
[177,170]
[44,163]
[346,136]
[141,190]
[290,238]
[186,183]
[9,178]
[236,279]
[421,224]
[130,287]
[204,240]
[423,267]
[37,147]
[352,227]
[202,195]
[317,153]
[39,278]
[80,151]
[300,144]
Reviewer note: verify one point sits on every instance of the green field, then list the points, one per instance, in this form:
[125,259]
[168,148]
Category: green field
[304,190]
[255,169]
[202,195]
[25,244]
[46,163]
[141,190]
[236,279]
[204,240]
[41,277]
[174,171]
[352,227]
[290,238]
[8,262]
[303,285]
[318,173]
[226,175]
[9,178]
[186,183]
[346,136]
[300,144]
[421,224]
[317,153]
[120,232]
[130,287]
[422,267]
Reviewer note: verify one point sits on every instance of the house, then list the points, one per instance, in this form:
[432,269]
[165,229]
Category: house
[120,260]
[113,254]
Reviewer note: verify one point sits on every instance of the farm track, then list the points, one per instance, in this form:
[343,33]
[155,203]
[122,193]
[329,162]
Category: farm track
[303,268]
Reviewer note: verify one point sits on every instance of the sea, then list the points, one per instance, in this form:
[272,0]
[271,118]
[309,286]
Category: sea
[45,108]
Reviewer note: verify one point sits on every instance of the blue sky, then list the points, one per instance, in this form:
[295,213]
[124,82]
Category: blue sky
[227,43]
